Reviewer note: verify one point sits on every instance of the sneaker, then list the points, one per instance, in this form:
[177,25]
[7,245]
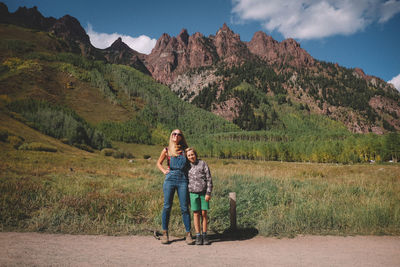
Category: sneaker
[164,238]
[205,240]
[199,240]
[189,239]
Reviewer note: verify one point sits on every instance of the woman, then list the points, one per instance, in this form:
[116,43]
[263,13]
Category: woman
[175,179]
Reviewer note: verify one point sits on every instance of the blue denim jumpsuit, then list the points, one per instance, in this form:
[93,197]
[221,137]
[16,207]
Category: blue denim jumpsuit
[177,180]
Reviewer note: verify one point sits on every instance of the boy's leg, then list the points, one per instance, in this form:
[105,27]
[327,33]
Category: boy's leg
[196,220]
[205,205]
[195,205]
[204,221]
[205,237]
[196,216]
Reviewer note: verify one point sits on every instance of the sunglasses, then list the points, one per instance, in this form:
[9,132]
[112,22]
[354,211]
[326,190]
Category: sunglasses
[176,134]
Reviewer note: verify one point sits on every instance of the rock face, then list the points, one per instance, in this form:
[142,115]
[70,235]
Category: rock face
[69,29]
[26,17]
[174,55]
[287,52]
[121,53]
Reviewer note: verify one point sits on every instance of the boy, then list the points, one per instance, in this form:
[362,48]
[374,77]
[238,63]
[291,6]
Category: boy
[200,187]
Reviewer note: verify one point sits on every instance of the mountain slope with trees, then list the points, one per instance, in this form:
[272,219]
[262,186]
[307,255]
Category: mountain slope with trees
[288,102]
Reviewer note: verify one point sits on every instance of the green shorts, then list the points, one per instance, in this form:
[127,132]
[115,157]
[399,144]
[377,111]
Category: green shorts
[198,202]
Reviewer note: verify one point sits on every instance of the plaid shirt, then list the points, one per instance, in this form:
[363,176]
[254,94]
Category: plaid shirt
[200,178]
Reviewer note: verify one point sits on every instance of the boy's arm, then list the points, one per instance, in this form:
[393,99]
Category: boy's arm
[208,180]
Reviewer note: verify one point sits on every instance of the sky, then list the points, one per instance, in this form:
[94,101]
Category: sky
[353,33]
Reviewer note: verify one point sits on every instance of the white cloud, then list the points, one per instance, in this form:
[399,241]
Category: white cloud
[388,10]
[142,44]
[396,82]
[310,19]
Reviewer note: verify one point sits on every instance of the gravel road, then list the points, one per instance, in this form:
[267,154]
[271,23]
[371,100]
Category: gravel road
[36,249]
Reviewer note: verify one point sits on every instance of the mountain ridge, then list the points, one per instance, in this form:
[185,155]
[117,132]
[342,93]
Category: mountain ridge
[192,66]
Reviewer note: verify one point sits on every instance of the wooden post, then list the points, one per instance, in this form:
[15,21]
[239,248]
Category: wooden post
[232,210]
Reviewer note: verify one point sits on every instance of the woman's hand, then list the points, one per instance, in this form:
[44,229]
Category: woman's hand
[207,198]
[166,171]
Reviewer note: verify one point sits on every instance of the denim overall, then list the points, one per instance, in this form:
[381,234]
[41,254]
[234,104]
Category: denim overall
[177,180]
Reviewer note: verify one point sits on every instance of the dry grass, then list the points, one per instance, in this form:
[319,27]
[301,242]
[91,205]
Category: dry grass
[78,192]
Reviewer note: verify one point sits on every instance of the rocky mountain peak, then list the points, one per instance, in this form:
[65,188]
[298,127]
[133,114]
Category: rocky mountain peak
[225,30]
[229,47]
[183,37]
[288,43]
[121,53]
[225,33]
[69,28]
[273,52]
[119,45]
[26,17]
[162,42]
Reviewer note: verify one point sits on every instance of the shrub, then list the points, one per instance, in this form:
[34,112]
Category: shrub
[3,135]
[118,155]
[128,155]
[84,147]
[37,146]
[107,152]
[5,98]
[15,141]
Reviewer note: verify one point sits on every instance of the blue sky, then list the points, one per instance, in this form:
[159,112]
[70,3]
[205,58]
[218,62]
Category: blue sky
[352,33]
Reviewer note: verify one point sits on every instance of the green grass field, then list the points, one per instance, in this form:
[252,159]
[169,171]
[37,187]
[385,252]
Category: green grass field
[74,191]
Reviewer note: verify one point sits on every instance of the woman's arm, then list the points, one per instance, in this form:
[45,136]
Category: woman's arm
[161,160]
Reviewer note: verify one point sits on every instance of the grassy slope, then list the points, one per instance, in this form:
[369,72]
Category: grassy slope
[43,80]
[32,69]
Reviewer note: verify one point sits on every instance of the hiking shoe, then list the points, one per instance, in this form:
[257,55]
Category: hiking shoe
[205,240]
[189,239]
[164,238]
[199,240]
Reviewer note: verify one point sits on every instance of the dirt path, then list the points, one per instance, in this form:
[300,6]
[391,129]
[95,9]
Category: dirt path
[34,249]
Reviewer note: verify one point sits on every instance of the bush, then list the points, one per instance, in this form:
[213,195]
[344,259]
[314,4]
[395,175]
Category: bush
[125,154]
[36,146]
[118,155]
[84,147]
[107,152]
[15,141]
[3,135]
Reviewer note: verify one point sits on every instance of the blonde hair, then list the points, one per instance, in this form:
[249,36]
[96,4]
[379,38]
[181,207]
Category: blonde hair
[172,149]
[191,149]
